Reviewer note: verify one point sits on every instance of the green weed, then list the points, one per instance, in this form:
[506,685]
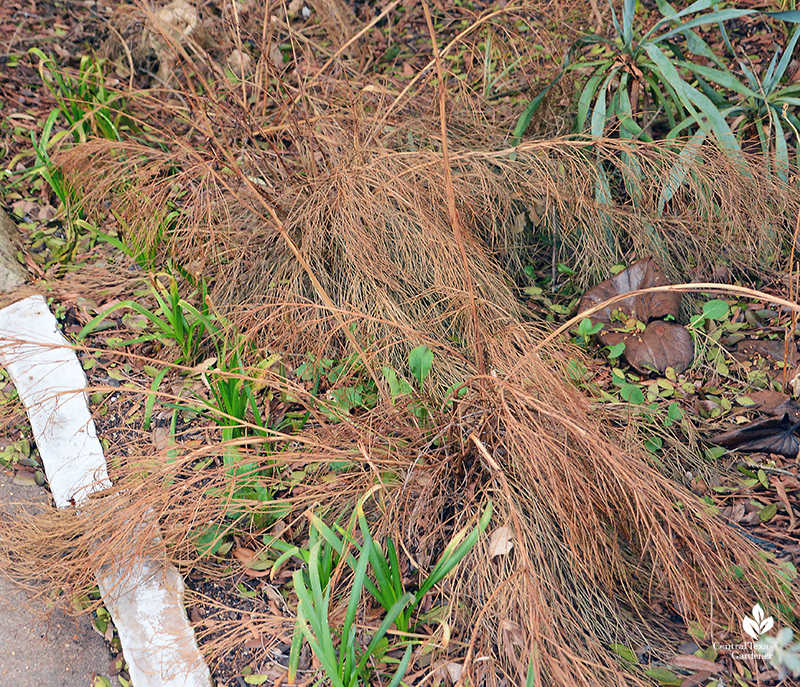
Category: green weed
[88,107]
[326,547]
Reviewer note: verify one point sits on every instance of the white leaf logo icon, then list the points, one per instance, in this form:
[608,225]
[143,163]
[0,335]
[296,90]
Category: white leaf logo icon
[758,624]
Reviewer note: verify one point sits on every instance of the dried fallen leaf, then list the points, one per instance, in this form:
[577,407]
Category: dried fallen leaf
[769,435]
[24,478]
[780,486]
[696,679]
[661,344]
[772,351]
[774,403]
[500,542]
[240,63]
[454,671]
[695,663]
[640,275]
[512,636]
[244,555]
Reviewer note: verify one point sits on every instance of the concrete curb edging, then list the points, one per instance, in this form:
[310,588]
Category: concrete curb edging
[145,598]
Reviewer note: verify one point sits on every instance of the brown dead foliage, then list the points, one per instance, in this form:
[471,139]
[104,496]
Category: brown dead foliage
[317,209]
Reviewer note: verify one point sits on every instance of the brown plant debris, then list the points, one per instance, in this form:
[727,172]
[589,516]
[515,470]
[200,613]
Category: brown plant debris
[651,344]
[314,204]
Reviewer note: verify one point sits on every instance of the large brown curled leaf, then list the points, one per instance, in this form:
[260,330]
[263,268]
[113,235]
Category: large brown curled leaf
[640,275]
[661,344]
[769,435]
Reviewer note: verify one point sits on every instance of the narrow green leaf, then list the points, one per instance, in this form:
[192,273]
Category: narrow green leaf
[396,577]
[450,558]
[665,9]
[391,616]
[617,27]
[690,97]
[587,97]
[599,111]
[667,105]
[338,545]
[355,590]
[527,114]
[402,667]
[792,16]
[627,123]
[149,403]
[379,565]
[710,18]
[530,679]
[306,625]
[772,80]
[628,10]
[725,79]
[770,71]
[602,189]
[781,151]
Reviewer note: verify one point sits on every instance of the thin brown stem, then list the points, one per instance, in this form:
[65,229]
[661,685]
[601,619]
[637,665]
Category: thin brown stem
[451,199]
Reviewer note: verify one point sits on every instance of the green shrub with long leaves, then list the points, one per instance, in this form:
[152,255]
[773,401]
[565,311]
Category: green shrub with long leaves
[651,86]
[646,88]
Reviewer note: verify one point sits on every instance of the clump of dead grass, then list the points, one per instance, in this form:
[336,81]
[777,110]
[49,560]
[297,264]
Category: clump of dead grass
[369,237]
[320,218]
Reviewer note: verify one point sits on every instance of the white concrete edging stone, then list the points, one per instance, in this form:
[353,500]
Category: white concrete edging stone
[145,600]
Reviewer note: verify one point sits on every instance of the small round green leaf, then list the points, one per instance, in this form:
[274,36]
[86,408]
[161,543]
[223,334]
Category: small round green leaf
[632,393]
[715,309]
[768,512]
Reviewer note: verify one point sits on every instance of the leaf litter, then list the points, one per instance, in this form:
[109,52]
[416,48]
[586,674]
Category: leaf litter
[638,322]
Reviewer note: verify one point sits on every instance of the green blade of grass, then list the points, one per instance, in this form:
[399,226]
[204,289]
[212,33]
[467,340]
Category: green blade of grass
[355,594]
[387,622]
[151,398]
[453,554]
[315,629]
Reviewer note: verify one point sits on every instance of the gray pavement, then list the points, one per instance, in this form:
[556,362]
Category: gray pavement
[41,647]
